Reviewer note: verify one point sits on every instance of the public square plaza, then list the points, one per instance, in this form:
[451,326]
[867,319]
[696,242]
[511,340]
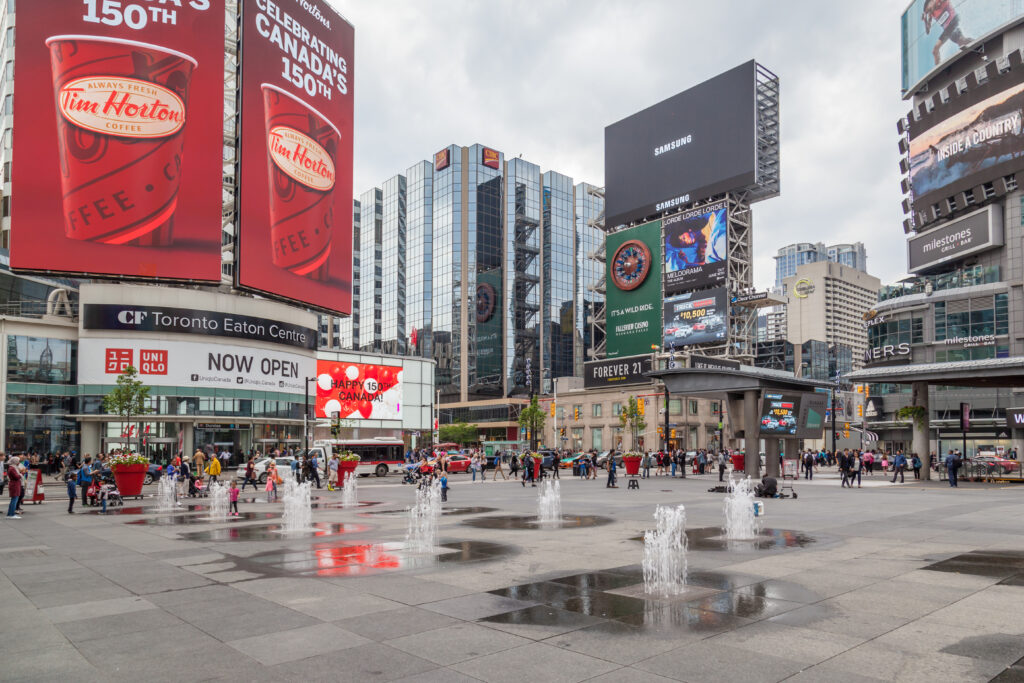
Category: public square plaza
[913,582]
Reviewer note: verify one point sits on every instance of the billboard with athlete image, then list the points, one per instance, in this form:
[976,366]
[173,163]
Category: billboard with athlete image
[695,248]
[295,177]
[118,171]
[936,31]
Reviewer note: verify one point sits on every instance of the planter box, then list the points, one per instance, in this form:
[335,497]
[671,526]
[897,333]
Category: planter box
[632,466]
[346,468]
[129,479]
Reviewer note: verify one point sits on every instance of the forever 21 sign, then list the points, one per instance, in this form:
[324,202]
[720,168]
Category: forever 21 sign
[616,372]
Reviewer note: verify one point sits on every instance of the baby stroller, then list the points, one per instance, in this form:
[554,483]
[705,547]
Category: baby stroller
[412,474]
[112,494]
[201,490]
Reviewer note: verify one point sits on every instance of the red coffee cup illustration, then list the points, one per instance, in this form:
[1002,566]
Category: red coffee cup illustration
[121,114]
[302,146]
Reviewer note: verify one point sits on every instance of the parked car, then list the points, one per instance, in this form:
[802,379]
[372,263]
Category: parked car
[993,464]
[602,458]
[154,473]
[456,463]
[284,464]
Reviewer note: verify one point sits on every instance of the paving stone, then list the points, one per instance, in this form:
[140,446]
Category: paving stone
[536,661]
[456,643]
[295,644]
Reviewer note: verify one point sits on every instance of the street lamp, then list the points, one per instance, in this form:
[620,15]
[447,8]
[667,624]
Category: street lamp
[305,418]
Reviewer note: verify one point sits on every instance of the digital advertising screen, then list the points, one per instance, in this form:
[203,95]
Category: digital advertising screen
[119,174]
[696,318]
[976,138]
[813,407]
[780,413]
[358,391]
[633,286]
[695,248]
[295,177]
[693,145]
[936,31]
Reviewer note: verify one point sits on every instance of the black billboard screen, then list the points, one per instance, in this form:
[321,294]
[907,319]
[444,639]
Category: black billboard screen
[617,372]
[976,138]
[693,145]
[696,318]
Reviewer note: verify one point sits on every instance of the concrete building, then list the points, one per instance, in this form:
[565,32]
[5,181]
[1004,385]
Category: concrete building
[792,256]
[827,303]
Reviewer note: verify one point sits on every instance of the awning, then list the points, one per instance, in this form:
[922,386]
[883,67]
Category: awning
[987,372]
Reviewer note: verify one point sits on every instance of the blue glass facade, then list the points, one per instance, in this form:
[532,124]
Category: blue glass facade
[559,286]
[419,257]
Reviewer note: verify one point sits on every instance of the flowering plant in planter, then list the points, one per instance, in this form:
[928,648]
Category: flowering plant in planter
[632,456]
[116,461]
[536,456]
[348,456]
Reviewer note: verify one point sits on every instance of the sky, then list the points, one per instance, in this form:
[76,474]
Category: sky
[543,79]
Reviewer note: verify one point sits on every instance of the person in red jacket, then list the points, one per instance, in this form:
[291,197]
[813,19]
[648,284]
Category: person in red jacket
[14,479]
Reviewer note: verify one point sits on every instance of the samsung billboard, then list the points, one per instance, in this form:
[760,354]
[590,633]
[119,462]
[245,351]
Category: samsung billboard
[693,145]
[975,232]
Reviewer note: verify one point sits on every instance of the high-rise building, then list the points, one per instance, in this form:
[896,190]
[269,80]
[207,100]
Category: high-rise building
[827,303]
[792,256]
[497,277]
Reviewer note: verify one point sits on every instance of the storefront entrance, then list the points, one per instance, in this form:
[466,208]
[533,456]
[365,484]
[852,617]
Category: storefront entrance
[236,439]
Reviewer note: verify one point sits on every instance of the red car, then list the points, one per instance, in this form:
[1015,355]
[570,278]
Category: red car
[996,464]
[456,463]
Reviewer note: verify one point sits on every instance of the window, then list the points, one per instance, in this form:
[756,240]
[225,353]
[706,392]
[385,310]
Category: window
[595,410]
[675,406]
[577,437]
[692,438]
[577,411]
[42,359]
[597,438]
[715,408]
[693,407]
[616,409]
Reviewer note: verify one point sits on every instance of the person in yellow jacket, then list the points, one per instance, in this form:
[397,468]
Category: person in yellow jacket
[213,469]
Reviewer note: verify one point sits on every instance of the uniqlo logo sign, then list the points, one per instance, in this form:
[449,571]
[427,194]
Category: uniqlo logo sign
[152,362]
[116,360]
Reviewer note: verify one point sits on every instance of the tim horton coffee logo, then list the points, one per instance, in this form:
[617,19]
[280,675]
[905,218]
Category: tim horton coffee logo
[301,158]
[121,106]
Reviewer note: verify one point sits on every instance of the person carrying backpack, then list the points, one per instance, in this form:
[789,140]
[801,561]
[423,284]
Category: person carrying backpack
[85,478]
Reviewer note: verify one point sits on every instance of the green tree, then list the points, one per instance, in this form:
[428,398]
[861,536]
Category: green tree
[632,419]
[532,419]
[128,398]
[460,433]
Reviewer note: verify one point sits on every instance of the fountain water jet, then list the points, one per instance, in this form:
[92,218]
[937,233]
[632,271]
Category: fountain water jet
[298,511]
[549,502]
[740,521]
[423,516]
[664,561]
[218,502]
[167,494]
[349,496]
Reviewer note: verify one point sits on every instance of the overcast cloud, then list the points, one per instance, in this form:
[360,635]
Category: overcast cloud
[543,79]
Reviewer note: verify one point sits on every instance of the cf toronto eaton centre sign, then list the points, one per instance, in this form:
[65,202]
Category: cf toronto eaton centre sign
[190,321]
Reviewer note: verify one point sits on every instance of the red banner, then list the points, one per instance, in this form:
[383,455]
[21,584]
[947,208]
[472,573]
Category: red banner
[295,209]
[358,390]
[117,162]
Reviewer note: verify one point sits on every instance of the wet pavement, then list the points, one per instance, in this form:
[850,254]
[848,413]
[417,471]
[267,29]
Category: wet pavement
[193,519]
[1005,565]
[473,510]
[713,538]
[533,523]
[273,532]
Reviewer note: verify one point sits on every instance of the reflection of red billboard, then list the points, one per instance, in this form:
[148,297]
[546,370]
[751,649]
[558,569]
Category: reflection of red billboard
[295,207]
[490,157]
[358,390]
[442,159]
[127,113]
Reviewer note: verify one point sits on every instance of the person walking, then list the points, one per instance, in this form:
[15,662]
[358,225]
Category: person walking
[808,466]
[69,481]
[722,464]
[856,465]
[233,498]
[952,465]
[314,469]
[199,463]
[332,472]
[513,466]
[474,465]
[213,469]
[916,464]
[899,464]
[85,478]
[444,487]
[611,472]
[844,469]
[646,465]
[498,469]
[250,474]
[13,487]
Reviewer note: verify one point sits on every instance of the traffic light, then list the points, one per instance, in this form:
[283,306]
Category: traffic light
[860,411]
[640,403]
[660,432]
[673,432]
[552,409]
[846,430]
[576,414]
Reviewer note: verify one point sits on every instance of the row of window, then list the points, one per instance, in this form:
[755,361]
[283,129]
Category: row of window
[675,407]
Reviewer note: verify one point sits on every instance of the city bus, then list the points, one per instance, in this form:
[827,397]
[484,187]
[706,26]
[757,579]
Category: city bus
[376,456]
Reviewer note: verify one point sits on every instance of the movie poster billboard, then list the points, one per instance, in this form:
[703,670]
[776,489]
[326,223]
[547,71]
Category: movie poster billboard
[982,141]
[358,391]
[120,143]
[633,285]
[695,248]
[295,177]
[696,318]
[936,31]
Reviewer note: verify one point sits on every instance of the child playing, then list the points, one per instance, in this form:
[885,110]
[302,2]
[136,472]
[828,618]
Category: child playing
[233,492]
[444,486]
